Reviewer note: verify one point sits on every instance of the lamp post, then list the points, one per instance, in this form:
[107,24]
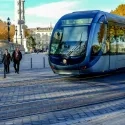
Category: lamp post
[16,33]
[8,24]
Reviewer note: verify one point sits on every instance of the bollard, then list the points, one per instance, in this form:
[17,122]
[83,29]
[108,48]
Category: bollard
[4,73]
[31,62]
[43,62]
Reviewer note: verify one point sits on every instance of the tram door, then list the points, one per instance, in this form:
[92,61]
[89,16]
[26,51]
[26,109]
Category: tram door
[113,55]
[101,44]
[0,56]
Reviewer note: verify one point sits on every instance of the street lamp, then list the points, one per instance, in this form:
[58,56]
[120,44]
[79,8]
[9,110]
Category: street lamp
[16,33]
[8,24]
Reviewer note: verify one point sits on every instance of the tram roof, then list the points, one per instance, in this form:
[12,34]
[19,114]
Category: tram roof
[95,13]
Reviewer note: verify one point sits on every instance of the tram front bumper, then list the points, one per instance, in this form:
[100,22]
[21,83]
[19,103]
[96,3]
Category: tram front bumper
[66,72]
[70,69]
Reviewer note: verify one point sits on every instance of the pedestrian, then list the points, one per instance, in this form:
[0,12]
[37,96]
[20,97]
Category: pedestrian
[6,61]
[16,57]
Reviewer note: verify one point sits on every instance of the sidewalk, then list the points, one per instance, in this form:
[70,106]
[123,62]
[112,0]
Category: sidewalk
[28,74]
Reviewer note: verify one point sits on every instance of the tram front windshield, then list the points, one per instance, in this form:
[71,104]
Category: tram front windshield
[70,38]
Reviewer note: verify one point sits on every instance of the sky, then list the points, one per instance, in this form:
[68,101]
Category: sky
[42,13]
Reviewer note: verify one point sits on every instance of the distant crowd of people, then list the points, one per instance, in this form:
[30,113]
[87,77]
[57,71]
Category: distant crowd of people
[34,50]
[16,58]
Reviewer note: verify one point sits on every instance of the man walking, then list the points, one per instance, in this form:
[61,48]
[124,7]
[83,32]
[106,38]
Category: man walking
[17,56]
[6,61]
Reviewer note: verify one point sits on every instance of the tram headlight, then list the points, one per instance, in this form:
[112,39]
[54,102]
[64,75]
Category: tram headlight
[64,61]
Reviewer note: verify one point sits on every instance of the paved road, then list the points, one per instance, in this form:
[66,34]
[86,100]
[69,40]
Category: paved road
[39,97]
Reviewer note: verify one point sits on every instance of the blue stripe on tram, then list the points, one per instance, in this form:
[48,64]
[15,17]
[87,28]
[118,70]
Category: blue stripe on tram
[95,60]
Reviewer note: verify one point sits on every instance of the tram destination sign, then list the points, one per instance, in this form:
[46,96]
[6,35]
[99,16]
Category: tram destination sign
[85,21]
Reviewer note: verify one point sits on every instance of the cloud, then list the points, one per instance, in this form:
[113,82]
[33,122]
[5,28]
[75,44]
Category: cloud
[107,10]
[2,18]
[43,14]
[6,0]
[37,24]
[52,10]
[122,1]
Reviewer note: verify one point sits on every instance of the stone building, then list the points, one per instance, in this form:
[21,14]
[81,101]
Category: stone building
[42,37]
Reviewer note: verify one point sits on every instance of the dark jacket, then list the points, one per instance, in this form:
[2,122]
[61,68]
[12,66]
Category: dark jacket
[6,59]
[14,56]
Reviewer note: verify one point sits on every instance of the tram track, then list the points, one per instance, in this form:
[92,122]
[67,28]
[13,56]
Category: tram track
[50,105]
[62,102]
[100,88]
[48,80]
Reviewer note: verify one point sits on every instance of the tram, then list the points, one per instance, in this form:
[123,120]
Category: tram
[86,42]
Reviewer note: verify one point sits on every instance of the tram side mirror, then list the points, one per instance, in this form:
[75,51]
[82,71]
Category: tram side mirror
[95,49]
[58,35]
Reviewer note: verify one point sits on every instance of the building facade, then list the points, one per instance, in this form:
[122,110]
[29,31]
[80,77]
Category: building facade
[42,37]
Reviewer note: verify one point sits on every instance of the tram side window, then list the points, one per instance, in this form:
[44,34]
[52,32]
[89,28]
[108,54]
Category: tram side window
[120,39]
[98,38]
[56,40]
[117,38]
[112,37]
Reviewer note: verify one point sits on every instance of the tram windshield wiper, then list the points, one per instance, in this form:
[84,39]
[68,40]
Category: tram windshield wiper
[77,46]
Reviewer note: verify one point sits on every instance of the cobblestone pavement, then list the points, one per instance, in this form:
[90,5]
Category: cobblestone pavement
[39,97]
